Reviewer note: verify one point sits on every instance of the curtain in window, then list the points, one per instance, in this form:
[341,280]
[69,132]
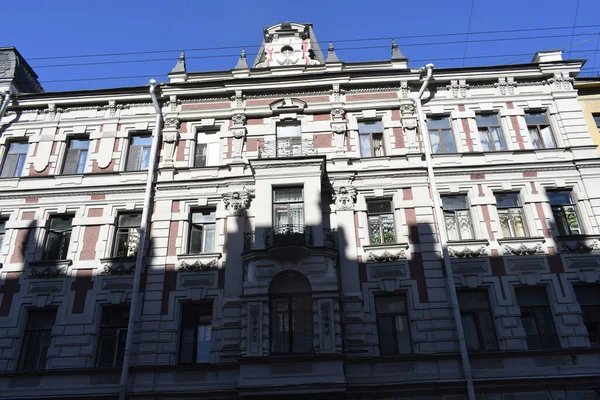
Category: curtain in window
[436,146]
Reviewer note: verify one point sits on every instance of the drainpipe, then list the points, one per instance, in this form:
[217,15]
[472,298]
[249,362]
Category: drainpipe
[139,261]
[443,236]
[4,103]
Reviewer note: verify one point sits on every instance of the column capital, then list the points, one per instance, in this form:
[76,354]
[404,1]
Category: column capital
[345,197]
[237,202]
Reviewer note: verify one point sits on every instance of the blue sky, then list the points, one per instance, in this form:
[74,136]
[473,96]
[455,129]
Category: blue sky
[78,27]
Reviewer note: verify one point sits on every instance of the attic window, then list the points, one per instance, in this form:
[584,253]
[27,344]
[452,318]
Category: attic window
[287,51]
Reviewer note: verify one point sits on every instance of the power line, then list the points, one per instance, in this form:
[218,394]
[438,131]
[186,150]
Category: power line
[323,41]
[590,51]
[469,30]
[337,49]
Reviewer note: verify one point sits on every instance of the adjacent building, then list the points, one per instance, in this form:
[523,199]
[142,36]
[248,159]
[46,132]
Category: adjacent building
[293,246]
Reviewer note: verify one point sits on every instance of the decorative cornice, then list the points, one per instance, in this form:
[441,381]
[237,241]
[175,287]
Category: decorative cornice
[204,100]
[523,250]
[70,194]
[581,247]
[48,272]
[386,256]
[394,88]
[287,94]
[467,252]
[197,266]
[505,171]
[118,269]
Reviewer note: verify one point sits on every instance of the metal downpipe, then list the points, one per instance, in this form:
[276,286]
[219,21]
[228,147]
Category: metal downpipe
[464,354]
[139,262]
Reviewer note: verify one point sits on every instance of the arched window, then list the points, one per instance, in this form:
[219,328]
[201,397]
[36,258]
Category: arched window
[291,314]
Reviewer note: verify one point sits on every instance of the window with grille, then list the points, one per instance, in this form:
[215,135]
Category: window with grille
[76,157]
[139,153]
[289,139]
[457,217]
[291,314]
[490,132]
[565,212]
[202,232]
[477,320]
[440,135]
[589,300]
[510,212]
[381,221]
[113,334]
[371,138]
[196,333]
[539,130]
[392,325]
[537,319]
[58,237]
[14,161]
[128,234]
[36,338]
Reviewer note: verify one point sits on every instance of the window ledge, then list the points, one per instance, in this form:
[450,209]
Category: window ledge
[387,252]
[48,268]
[470,248]
[198,262]
[522,246]
[578,243]
[118,265]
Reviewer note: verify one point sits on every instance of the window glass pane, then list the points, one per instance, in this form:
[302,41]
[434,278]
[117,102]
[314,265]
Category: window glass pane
[81,161]
[486,119]
[535,118]
[81,144]
[519,224]
[436,146]
[403,334]
[571,219]
[507,200]
[379,206]
[473,300]
[374,231]
[532,296]
[288,130]
[142,140]
[203,341]
[18,148]
[377,144]
[365,146]
[464,223]
[145,160]
[370,127]
[450,221]
[488,331]
[387,340]
[61,222]
[536,140]
[201,154]
[438,122]
[497,139]
[390,304]
[454,202]
[204,216]
[209,239]
[448,141]
[484,137]
[559,197]
[287,194]
[130,220]
[20,165]
[588,295]
[548,138]
[597,120]
[470,330]
[387,224]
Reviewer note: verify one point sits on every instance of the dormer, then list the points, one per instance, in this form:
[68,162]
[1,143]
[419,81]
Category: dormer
[289,43]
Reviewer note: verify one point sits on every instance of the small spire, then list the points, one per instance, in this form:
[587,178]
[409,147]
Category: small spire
[180,66]
[242,64]
[331,56]
[396,53]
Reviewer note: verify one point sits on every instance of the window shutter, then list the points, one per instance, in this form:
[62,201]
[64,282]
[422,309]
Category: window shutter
[133,162]
[10,164]
[71,161]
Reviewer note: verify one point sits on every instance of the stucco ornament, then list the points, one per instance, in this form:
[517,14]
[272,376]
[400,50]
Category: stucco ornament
[170,139]
[238,130]
[236,202]
[345,197]
[172,123]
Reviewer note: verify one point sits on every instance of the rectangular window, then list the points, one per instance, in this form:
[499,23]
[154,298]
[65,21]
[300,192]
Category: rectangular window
[490,132]
[196,328]
[58,238]
[511,216]
[440,134]
[288,210]
[113,334]
[371,138]
[201,155]
[457,217]
[539,130]
[202,232]
[536,317]
[477,320]
[139,153]
[2,231]
[76,158]
[36,340]
[207,147]
[14,161]
[392,325]
[289,139]
[381,222]
[589,300]
[565,212]
[128,233]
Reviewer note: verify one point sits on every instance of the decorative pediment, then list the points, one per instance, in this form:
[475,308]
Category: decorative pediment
[287,104]
[198,262]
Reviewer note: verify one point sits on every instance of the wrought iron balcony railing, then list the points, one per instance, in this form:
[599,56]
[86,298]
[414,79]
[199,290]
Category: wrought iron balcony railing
[289,235]
[330,238]
[293,147]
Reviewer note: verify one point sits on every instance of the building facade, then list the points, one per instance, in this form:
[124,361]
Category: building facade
[293,247]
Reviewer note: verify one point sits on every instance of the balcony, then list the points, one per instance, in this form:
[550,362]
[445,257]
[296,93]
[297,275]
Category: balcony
[288,240]
[286,148]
